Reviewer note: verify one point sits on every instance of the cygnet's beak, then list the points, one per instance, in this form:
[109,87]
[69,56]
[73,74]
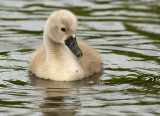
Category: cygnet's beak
[72,44]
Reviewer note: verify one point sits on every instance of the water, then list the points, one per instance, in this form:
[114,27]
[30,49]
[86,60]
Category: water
[125,32]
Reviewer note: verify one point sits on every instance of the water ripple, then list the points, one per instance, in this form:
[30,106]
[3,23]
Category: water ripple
[125,32]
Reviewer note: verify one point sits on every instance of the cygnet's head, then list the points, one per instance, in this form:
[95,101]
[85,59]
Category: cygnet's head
[61,28]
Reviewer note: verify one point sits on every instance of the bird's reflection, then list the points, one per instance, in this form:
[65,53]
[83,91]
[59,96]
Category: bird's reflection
[61,98]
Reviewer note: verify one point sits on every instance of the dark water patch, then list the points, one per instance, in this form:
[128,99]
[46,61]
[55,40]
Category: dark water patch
[22,19]
[42,6]
[127,104]
[21,31]
[16,68]
[17,82]
[121,69]
[11,103]
[121,19]
[4,53]
[135,54]
[3,85]
[150,35]
[141,80]
[25,50]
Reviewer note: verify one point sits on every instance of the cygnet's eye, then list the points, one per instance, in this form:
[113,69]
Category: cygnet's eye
[63,29]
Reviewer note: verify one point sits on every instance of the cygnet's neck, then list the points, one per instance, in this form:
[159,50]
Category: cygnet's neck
[54,50]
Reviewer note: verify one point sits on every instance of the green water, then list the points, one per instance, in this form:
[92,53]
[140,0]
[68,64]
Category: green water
[125,32]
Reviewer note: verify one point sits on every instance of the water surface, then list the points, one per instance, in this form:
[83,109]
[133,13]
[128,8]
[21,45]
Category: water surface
[125,32]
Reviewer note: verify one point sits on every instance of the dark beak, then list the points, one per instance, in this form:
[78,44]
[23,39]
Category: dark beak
[72,44]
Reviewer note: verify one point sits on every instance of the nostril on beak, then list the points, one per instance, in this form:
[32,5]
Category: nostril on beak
[73,43]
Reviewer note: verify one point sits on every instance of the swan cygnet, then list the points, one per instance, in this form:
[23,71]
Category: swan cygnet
[61,56]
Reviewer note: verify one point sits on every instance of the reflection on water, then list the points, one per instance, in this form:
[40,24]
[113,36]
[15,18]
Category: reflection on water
[62,97]
[125,32]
